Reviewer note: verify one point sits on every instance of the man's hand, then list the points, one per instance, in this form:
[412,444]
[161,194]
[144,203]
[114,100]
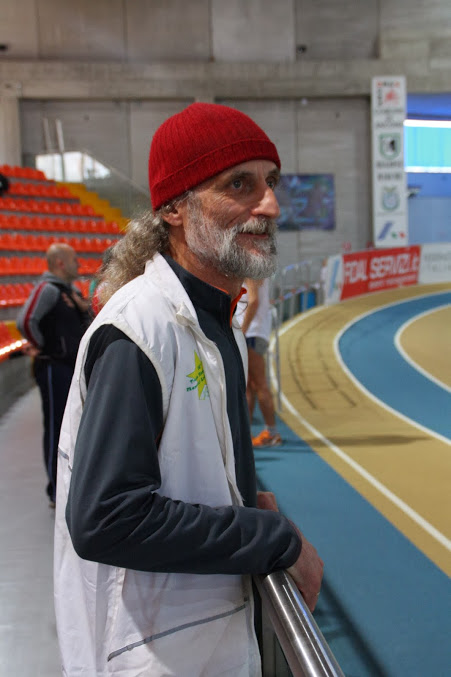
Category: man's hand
[30,350]
[75,299]
[267,501]
[307,572]
[82,303]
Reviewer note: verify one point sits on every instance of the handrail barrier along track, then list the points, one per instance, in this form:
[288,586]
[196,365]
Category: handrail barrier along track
[294,289]
[306,651]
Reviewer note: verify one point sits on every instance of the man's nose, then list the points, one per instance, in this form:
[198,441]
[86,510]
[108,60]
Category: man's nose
[267,205]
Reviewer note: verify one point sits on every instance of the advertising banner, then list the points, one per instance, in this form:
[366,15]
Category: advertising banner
[376,270]
[388,111]
[332,279]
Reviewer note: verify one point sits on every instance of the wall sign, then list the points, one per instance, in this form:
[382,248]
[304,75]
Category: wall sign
[388,108]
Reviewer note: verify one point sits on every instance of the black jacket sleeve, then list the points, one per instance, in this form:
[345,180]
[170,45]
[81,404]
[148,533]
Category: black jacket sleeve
[114,514]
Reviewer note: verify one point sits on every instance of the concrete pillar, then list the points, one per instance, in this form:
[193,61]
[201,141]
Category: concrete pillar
[10,142]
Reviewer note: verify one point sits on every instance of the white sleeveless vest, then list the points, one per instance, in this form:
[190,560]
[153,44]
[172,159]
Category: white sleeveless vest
[114,621]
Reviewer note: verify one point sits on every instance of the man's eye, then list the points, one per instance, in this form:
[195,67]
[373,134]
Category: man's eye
[272,183]
[237,183]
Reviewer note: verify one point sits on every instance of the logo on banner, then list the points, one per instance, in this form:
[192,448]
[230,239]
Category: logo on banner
[386,228]
[390,145]
[390,199]
[388,94]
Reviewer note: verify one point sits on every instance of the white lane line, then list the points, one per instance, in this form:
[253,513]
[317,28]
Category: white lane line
[406,356]
[367,392]
[406,509]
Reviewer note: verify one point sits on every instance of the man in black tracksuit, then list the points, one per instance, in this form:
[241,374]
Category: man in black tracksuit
[54,319]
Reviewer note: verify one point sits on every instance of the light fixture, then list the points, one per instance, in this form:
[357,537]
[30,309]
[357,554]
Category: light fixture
[440,124]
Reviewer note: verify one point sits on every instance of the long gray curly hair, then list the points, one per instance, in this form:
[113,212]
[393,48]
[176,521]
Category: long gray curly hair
[146,236]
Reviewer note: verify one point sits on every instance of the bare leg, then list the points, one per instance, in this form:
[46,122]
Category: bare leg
[257,379]
[250,396]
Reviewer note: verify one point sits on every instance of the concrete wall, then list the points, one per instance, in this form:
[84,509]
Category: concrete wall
[238,30]
[113,70]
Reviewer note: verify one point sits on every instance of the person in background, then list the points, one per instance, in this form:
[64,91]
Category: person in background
[256,323]
[53,319]
[158,523]
[4,184]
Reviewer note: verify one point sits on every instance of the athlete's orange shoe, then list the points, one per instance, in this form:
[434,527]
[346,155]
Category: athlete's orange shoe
[265,439]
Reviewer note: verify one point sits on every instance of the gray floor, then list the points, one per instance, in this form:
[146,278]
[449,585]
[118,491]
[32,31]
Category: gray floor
[28,644]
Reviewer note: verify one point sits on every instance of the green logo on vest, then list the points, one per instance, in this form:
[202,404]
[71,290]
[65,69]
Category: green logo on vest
[197,379]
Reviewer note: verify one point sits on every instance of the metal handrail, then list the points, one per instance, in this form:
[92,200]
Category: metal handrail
[288,285]
[302,642]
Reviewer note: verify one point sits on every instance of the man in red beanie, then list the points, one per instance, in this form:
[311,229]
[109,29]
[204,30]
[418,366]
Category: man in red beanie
[159,527]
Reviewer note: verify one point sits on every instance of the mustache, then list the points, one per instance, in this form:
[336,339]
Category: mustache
[257,226]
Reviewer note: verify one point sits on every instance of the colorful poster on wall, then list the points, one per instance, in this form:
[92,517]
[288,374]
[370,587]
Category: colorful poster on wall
[307,201]
[388,107]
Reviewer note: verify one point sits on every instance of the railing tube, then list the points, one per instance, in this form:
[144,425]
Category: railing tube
[306,651]
[276,324]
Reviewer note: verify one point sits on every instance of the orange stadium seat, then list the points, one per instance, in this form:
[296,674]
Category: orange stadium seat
[8,204]
[5,265]
[6,241]
[47,222]
[113,227]
[25,222]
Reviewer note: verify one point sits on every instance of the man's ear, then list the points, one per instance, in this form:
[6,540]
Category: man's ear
[174,215]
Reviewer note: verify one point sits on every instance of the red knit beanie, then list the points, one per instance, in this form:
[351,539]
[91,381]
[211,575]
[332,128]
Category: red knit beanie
[200,142]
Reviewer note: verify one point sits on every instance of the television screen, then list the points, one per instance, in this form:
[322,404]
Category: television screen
[307,201]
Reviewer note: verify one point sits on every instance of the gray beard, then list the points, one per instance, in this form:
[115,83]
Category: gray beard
[217,246]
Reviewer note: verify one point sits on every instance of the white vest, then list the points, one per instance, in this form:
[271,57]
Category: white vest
[114,621]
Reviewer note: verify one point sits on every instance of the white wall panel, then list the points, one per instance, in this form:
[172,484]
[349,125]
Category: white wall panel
[254,30]
[18,29]
[81,29]
[168,30]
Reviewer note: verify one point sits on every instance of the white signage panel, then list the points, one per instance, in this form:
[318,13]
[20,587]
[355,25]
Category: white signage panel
[435,265]
[388,111]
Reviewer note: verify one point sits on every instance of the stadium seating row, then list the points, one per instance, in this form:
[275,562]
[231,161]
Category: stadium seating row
[40,243]
[35,213]
[10,340]
[36,265]
[16,293]
[40,190]
[10,204]
[57,223]
[23,173]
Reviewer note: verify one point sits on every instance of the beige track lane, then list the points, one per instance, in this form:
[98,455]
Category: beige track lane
[412,465]
[427,341]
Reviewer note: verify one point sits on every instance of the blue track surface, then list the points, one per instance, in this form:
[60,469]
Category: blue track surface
[385,607]
[368,350]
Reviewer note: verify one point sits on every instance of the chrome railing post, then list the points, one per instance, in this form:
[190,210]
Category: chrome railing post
[276,324]
[306,651]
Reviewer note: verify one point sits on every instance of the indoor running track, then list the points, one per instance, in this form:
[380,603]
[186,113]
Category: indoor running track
[365,471]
